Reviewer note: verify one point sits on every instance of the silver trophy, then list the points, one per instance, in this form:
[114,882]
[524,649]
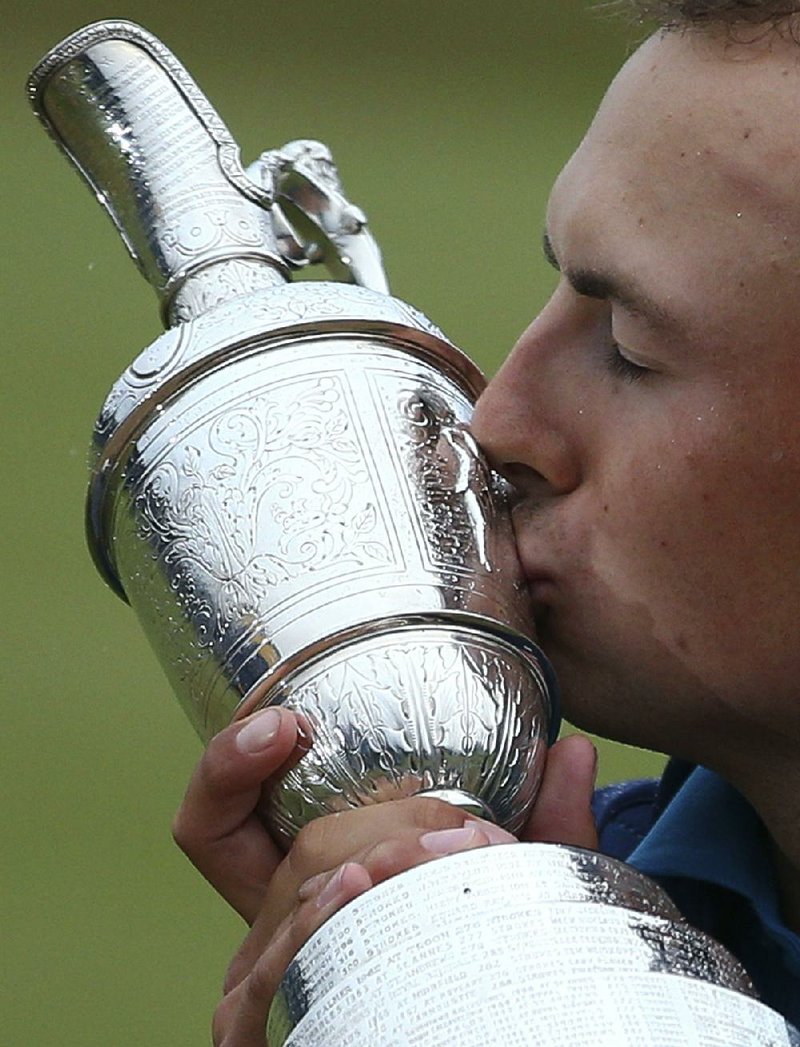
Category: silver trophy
[285,490]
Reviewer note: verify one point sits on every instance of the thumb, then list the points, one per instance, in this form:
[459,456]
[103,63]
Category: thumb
[562,812]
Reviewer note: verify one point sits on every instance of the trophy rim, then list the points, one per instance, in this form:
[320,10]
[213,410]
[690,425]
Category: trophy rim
[260,695]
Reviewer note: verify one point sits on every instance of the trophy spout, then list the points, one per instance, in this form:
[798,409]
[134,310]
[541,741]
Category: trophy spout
[163,165]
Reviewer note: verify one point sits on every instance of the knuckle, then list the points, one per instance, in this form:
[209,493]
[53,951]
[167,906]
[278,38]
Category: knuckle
[391,856]
[305,920]
[308,854]
[234,974]
[180,832]
[216,763]
[260,984]
[427,812]
[220,1023]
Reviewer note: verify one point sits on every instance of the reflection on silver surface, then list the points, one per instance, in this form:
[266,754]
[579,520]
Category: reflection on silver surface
[284,488]
[160,160]
[313,220]
[281,522]
[447,1008]
[520,945]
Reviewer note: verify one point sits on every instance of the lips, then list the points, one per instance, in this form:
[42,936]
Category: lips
[540,588]
[538,582]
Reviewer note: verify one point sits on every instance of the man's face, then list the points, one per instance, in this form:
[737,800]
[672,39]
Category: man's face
[659,524]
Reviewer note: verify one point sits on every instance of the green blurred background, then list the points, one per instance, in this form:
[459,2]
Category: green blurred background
[449,121]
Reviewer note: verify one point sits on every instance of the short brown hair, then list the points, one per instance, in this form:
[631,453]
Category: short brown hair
[686,13]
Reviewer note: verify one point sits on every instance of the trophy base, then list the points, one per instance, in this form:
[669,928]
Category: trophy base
[518,945]
[463,800]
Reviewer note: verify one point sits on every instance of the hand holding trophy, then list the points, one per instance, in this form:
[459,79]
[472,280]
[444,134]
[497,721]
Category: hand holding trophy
[286,492]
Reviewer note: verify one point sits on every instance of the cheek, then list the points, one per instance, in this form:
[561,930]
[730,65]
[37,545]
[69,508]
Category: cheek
[706,541]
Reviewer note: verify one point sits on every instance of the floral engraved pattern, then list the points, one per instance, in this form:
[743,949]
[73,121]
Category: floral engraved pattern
[438,710]
[212,287]
[267,499]
[250,316]
[208,231]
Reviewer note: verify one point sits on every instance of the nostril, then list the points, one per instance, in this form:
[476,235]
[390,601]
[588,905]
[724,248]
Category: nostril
[527,437]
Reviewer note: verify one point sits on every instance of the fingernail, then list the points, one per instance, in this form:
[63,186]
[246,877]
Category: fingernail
[448,841]
[256,735]
[493,833]
[332,888]
[308,888]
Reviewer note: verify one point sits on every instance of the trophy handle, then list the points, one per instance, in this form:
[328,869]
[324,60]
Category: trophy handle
[313,219]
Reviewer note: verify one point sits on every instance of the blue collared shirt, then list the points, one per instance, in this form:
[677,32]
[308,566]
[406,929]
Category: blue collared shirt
[703,842]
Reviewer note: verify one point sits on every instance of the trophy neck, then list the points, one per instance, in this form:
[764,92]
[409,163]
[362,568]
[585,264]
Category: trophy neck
[162,163]
[215,282]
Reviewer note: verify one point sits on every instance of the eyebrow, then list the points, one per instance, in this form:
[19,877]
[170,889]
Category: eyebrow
[591,283]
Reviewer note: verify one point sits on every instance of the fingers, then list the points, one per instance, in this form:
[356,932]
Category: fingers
[216,825]
[562,812]
[241,1018]
[329,842]
[255,975]
[406,848]
[326,843]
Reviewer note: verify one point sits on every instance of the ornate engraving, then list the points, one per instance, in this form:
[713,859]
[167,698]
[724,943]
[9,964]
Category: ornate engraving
[214,286]
[251,316]
[90,36]
[264,494]
[448,481]
[159,159]
[291,492]
[332,230]
[441,708]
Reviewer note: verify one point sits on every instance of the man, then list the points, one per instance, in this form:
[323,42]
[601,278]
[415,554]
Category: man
[648,418]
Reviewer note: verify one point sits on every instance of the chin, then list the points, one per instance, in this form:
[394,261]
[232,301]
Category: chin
[596,700]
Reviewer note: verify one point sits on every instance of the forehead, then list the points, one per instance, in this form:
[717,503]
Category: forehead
[689,116]
[693,157]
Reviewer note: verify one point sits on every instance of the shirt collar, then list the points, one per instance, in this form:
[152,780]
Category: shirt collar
[709,832]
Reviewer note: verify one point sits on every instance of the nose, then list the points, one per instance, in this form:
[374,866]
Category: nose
[524,420]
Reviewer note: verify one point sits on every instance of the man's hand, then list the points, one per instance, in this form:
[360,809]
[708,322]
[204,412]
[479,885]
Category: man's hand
[299,898]
[333,859]
[217,826]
